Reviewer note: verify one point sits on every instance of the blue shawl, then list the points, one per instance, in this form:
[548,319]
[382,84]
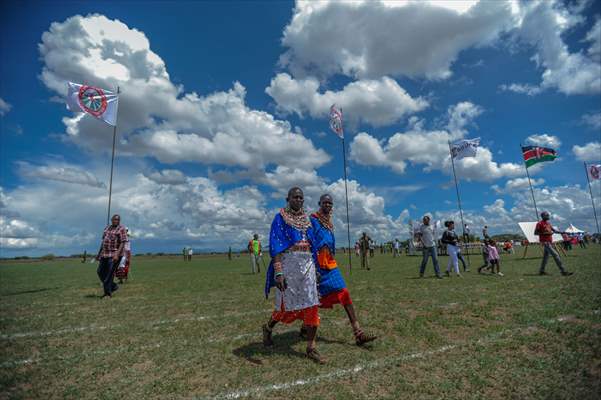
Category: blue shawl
[331,279]
[282,237]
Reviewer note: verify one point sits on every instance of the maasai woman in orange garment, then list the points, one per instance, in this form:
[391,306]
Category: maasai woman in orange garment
[332,288]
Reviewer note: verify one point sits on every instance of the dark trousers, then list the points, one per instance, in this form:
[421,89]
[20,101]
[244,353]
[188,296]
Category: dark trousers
[460,258]
[548,250]
[105,271]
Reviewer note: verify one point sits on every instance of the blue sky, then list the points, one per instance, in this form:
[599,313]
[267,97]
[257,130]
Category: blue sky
[224,107]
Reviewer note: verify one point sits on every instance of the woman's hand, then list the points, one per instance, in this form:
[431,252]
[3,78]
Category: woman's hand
[280,282]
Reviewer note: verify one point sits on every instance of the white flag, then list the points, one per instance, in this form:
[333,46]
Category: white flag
[465,148]
[594,171]
[100,103]
[336,121]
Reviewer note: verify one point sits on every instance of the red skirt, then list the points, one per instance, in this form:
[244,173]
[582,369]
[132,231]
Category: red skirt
[340,297]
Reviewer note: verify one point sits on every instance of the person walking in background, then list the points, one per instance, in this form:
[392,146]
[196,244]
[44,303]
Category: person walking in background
[114,238]
[484,256]
[190,253]
[372,246]
[449,237]
[485,233]
[185,254]
[395,250]
[85,257]
[123,269]
[493,257]
[255,251]
[426,237]
[581,242]
[364,248]
[545,232]
[229,254]
[567,241]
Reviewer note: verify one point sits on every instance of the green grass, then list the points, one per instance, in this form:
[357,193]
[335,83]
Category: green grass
[192,330]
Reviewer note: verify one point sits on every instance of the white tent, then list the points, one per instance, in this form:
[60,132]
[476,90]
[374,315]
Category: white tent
[528,231]
[572,229]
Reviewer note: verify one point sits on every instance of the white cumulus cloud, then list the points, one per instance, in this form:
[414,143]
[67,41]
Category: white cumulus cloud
[589,152]
[544,140]
[376,102]
[59,172]
[431,149]
[4,107]
[370,39]
[158,118]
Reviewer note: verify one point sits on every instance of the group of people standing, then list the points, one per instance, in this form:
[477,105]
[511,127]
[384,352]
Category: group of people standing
[305,273]
[490,252]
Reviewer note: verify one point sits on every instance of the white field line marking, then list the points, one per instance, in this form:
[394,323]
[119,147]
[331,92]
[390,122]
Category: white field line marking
[339,373]
[152,323]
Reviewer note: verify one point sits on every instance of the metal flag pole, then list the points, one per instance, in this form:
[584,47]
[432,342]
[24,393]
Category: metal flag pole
[530,183]
[348,223]
[592,198]
[108,216]
[458,198]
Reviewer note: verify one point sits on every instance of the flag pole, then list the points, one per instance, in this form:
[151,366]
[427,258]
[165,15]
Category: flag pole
[530,183]
[348,223]
[592,198]
[108,214]
[458,197]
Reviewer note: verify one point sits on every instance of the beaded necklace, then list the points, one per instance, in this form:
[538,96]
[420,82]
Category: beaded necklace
[296,219]
[325,220]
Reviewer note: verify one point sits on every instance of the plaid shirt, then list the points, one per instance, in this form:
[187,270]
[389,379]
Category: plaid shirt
[112,239]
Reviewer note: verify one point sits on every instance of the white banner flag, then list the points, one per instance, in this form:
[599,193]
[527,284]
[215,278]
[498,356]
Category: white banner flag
[594,171]
[336,121]
[100,103]
[465,148]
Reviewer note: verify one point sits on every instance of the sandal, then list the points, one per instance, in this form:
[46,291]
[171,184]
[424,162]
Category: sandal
[361,337]
[267,339]
[314,356]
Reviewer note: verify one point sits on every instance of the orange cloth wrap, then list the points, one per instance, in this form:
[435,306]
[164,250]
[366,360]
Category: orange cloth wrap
[325,259]
[342,297]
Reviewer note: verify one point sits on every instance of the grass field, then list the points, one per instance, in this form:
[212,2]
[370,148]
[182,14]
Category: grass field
[192,330]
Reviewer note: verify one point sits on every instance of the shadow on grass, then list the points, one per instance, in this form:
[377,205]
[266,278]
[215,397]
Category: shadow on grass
[254,352]
[30,291]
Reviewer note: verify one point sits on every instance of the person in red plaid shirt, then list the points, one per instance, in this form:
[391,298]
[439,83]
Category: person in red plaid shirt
[111,250]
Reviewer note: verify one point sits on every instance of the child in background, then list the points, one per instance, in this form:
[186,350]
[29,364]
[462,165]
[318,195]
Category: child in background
[493,257]
[484,256]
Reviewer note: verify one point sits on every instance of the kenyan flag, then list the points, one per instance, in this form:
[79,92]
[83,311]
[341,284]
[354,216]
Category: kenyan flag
[536,154]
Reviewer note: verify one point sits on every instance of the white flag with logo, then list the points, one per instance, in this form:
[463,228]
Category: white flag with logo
[336,121]
[465,148]
[594,171]
[99,103]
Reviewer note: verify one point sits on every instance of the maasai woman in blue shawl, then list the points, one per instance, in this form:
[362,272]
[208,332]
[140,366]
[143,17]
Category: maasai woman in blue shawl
[332,289]
[292,271]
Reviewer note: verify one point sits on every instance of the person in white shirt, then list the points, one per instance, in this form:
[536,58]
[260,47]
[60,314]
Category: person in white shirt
[428,240]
